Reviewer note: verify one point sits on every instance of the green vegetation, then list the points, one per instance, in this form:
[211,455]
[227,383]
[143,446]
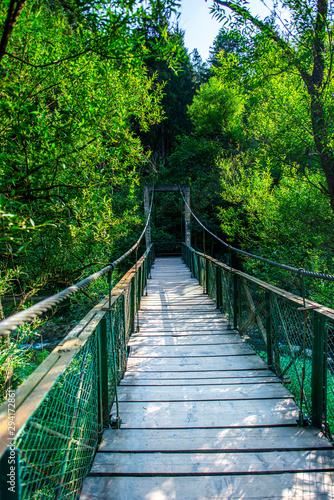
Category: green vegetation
[99,99]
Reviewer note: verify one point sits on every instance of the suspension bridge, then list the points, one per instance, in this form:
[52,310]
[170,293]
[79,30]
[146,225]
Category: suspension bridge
[190,380]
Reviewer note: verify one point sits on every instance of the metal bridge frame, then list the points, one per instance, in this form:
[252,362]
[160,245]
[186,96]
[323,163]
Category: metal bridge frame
[186,193]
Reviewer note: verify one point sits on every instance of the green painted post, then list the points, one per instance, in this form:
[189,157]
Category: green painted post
[270,359]
[207,264]
[103,386]
[139,273]
[219,300]
[10,486]
[318,370]
[235,301]
[132,305]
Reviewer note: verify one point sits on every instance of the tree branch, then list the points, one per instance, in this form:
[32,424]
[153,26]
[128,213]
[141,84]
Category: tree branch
[51,63]
[272,35]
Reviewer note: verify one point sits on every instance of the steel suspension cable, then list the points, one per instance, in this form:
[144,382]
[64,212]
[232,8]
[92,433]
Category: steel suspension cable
[18,319]
[299,271]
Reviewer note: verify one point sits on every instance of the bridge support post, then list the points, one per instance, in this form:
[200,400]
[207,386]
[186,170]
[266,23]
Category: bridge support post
[319,370]
[270,359]
[103,398]
[235,301]
[146,212]
[219,299]
[187,215]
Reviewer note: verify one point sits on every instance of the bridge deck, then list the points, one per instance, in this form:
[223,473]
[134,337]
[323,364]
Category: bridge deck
[202,416]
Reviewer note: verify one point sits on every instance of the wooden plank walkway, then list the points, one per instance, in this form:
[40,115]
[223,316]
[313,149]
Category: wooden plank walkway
[202,416]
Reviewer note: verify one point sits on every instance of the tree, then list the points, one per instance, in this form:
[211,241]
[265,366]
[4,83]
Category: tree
[201,68]
[226,42]
[178,84]
[217,109]
[73,100]
[307,48]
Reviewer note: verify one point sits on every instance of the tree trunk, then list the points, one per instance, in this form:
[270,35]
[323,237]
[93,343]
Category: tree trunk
[14,10]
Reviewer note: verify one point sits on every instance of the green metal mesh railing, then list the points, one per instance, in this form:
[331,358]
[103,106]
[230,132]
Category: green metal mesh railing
[294,337]
[56,444]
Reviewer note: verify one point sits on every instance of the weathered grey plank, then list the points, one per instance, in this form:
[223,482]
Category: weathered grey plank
[212,463]
[176,351]
[208,414]
[253,438]
[203,393]
[184,329]
[188,340]
[301,486]
[199,363]
[177,303]
[195,374]
[185,314]
[154,322]
[141,380]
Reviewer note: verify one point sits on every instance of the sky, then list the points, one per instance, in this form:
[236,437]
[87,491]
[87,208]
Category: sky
[199,26]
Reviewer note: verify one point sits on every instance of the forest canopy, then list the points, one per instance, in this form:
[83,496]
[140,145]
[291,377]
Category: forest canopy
[99,99]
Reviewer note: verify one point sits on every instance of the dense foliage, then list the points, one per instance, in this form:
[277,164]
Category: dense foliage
[76,94]
[99,99]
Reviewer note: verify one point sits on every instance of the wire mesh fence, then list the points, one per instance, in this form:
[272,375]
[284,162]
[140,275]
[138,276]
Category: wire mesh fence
[58,443]
[295,337]
[63,415]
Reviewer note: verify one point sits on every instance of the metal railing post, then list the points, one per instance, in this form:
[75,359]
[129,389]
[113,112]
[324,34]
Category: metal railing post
[117,421]
[319,370]
[103,386]
[207,276]
[219,300]
[191,262]
[132,305]
[140,281]
[235,301]
[270,359]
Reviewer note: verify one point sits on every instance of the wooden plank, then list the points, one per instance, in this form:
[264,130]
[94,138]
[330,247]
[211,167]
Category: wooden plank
[203,392]
[188,340]
[208,414]
[177,298]
[186,317]
[256,438]
[192,320]
[177,303]
[141,380]
[195,364]
[301,486]
[195,318]
[191,286]
[198,328]
[195,374]
[146,332]
[210,312]
[184,327]
[212,463]
[174,306]
[176,351]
